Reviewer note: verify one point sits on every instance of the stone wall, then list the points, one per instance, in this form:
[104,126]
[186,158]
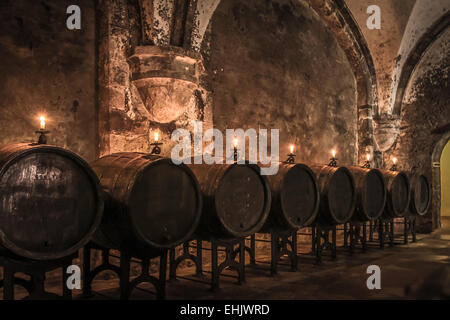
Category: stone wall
[46,69]
[425,117]
[150,77]
[276,65]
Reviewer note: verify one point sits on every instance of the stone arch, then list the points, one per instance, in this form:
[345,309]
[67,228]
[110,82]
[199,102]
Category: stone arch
[337,16]
[436,178]
[345,29]
[415,56]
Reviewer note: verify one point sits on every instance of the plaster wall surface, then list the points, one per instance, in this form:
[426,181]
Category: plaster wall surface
[425,110]
[275,65]
[46,69]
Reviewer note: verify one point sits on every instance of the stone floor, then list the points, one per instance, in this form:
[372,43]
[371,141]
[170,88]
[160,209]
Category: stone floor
[402,267]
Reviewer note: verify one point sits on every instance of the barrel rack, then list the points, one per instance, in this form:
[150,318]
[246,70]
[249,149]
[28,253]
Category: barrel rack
[281,244]
[36,270]
[355,233]
[234,250]
[409,229]
[123,271]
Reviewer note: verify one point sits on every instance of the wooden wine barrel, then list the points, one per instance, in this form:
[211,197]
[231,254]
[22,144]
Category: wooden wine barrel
[420,195]
[152,204]
[51,202]
[337,194]
[398,193]
[370,193]
[295,198]
[236,200]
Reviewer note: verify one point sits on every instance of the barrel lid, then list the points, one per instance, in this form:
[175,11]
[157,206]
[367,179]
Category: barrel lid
[341,195]
[373,195]
[45,193]
[399,190]
[165,203]
[420,194]
[243,199]
[299,196]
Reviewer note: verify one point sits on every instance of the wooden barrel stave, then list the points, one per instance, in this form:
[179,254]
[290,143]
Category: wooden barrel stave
[337,194]
[51,202]
[420,195]
[236,200]
[371,193]
[295,198]
[152,204]
[398,193]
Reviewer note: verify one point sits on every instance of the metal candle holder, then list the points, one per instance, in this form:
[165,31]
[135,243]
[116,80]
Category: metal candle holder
[291,158]
[394,167]
[235,154]
[333,162]
[366,164]
[156,149]
[42,136]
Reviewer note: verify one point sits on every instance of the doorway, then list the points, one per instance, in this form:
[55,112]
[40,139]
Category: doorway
[441,182]
[445,186]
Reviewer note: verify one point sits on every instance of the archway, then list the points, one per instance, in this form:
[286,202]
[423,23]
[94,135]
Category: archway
[445,186]
[441,181]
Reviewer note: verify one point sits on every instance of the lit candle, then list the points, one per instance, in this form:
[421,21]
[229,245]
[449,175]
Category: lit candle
[42,118]
[333,153]
[156,135]
[368,157]
[235,142]
[394,160]
[291,147]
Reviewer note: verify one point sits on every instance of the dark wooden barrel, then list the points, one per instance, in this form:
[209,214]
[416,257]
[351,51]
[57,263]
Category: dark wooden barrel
[152,204]
[370,193]
[337,194]
[51,202]
[295,198]
[420,194]
[236,200]
[398,193]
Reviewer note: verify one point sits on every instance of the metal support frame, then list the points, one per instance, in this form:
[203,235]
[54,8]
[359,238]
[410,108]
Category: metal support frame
[385,231]
[355,233]
[320,233]
[186,255]
[123,272]
[36,269]
[231,262]
[409,229]
[281,244]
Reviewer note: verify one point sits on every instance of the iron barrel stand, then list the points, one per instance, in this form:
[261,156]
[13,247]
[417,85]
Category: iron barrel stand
[321,241]
[409,229]
[234,250]
[384,227]
[281,244]
[355,233]
[36,269]
[123,271]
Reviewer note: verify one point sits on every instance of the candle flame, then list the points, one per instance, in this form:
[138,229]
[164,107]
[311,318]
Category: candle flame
[235,142]
[368,157]
[333,153]
[156,136]
[291,147]
[42,119]
[394,160]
